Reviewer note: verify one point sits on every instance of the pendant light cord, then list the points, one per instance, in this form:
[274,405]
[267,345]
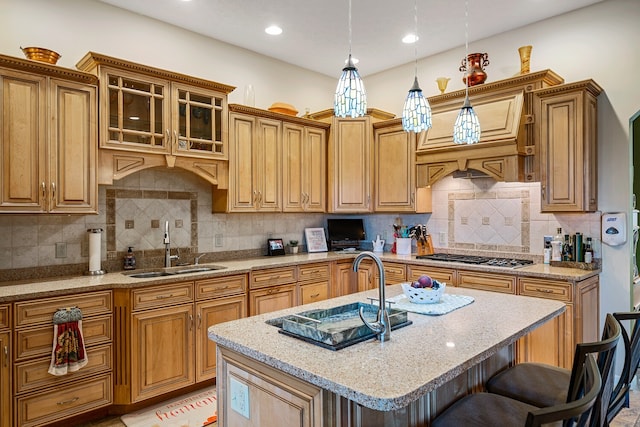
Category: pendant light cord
[466,47]
[349,28]
[415,35]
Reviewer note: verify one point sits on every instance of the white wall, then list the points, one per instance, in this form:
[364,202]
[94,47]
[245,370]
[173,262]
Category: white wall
[598,42]
[74,27]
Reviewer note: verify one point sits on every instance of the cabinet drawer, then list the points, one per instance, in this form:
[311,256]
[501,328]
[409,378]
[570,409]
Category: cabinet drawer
[67,401]
[35,342]
[42,310]
[487,281]
[444,275]
[541,288]
[314,292]
[314,272]
[273,276]
[5,317]
[161,296]
[394,273]
[33,375]
[220,286]
[271,299]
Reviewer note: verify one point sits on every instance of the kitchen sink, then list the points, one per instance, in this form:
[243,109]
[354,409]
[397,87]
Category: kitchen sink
[337,327]
[173,272]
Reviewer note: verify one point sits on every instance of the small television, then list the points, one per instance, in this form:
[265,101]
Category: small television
[345,232]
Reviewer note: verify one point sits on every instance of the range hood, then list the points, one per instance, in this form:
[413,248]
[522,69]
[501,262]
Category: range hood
[506,149]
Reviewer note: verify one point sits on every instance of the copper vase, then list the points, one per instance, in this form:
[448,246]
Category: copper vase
[474,66]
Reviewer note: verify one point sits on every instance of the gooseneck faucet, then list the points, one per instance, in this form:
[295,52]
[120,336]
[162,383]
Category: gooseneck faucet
[382,325]
[167,246]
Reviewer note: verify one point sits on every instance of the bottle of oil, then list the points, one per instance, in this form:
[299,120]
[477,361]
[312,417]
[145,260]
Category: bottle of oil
[130,260]
[588,252]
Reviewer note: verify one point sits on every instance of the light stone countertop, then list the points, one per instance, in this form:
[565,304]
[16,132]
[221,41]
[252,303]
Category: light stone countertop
[418,358]
[28,289]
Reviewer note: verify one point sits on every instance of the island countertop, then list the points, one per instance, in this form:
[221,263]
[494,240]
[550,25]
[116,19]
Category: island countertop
[418,359]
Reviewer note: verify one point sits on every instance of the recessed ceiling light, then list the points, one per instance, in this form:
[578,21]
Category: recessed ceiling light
[410,38]
[273,30]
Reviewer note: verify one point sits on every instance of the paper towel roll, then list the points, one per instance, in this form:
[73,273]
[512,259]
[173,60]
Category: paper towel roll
[94,248]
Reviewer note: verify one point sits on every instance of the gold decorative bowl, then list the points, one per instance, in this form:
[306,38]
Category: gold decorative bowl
[41,54]
[281,107]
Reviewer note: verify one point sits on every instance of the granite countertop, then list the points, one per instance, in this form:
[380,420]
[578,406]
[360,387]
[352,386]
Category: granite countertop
[21,290]
[418,358]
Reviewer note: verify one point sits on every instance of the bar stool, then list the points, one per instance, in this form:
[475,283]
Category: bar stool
[620,397]
[544,385]
[490,410]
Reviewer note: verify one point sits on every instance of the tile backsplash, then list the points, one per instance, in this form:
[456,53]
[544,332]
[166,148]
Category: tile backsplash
[478,214]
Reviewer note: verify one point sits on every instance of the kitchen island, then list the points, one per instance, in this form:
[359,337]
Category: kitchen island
[265,378]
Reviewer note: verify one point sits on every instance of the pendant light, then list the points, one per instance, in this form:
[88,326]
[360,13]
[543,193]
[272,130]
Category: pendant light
[466,130]
[416,113]
[350,98]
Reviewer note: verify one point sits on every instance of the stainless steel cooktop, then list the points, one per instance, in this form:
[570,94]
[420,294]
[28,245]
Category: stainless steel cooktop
[478,260]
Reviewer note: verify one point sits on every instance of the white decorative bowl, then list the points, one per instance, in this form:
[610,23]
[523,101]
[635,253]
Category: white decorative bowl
[424,295]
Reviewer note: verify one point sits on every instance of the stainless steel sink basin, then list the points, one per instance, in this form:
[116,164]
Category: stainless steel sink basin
[337,327]
[148,274]
[173,272]
[198,269]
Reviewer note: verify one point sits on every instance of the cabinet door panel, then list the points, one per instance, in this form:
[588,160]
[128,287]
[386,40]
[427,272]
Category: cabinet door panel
[315,166]
[294,168]
[241,152]
[268,160]
[5,380]
[394,154]
[272,299]
[210,313]
[73,155]
[22,141]
[162,351]
[350,180]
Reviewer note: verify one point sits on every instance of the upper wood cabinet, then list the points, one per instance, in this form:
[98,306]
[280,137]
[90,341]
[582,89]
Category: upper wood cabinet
[255,170]
[350,161]
[48,143]
[394,167]
[304,176]
[145,110]
[567,136]
[276,163]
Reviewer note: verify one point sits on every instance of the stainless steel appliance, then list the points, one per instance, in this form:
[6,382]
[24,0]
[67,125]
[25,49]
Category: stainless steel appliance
[478,260]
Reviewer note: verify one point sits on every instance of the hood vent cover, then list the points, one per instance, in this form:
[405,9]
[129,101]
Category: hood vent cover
[506,148]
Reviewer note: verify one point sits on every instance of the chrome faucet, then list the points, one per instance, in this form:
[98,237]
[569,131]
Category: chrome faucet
[382,325]
[167,247]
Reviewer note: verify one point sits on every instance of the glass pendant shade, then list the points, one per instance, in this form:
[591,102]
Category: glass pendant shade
[416,114]
[466,130]
[350,99]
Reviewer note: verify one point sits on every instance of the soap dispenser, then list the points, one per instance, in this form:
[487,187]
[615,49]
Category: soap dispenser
[130,260]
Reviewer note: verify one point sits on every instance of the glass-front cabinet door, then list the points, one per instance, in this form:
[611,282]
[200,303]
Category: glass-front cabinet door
[198,122]
[137,114]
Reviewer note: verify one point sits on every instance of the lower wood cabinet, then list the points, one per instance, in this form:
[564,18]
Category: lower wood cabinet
[5,366]
[554,342]
[162,334]
[343,278]
[40,398]
[314,282]
[444,275]
[493,282]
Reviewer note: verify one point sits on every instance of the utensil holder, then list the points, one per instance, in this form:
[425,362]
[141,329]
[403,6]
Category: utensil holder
[403,246]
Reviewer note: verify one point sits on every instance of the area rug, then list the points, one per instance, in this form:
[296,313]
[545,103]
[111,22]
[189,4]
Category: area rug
[192,410]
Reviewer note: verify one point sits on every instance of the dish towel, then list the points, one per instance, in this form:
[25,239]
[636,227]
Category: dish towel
[68,353]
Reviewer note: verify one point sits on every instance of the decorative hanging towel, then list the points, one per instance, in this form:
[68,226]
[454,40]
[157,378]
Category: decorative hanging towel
[68,354]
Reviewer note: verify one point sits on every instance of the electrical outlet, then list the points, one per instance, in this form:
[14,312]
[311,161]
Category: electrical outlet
[219,240]
[61,250]
[239,397]
[443,237]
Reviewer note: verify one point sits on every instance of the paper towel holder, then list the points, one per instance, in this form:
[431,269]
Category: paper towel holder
[93,269]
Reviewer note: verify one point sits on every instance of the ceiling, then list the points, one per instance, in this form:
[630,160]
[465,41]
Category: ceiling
[316,33]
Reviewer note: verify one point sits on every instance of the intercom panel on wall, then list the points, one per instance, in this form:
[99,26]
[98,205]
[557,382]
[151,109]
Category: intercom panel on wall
[614,228]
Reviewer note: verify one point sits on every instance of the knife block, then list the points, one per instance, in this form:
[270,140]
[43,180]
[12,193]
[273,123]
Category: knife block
[425,247]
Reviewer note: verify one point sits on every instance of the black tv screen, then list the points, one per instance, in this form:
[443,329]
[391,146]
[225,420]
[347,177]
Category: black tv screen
[345,229]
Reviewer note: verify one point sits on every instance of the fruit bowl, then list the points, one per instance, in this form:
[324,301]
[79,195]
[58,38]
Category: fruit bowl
[424,295]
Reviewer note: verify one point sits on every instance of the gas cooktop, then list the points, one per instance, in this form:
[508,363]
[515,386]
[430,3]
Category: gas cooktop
[478,260]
